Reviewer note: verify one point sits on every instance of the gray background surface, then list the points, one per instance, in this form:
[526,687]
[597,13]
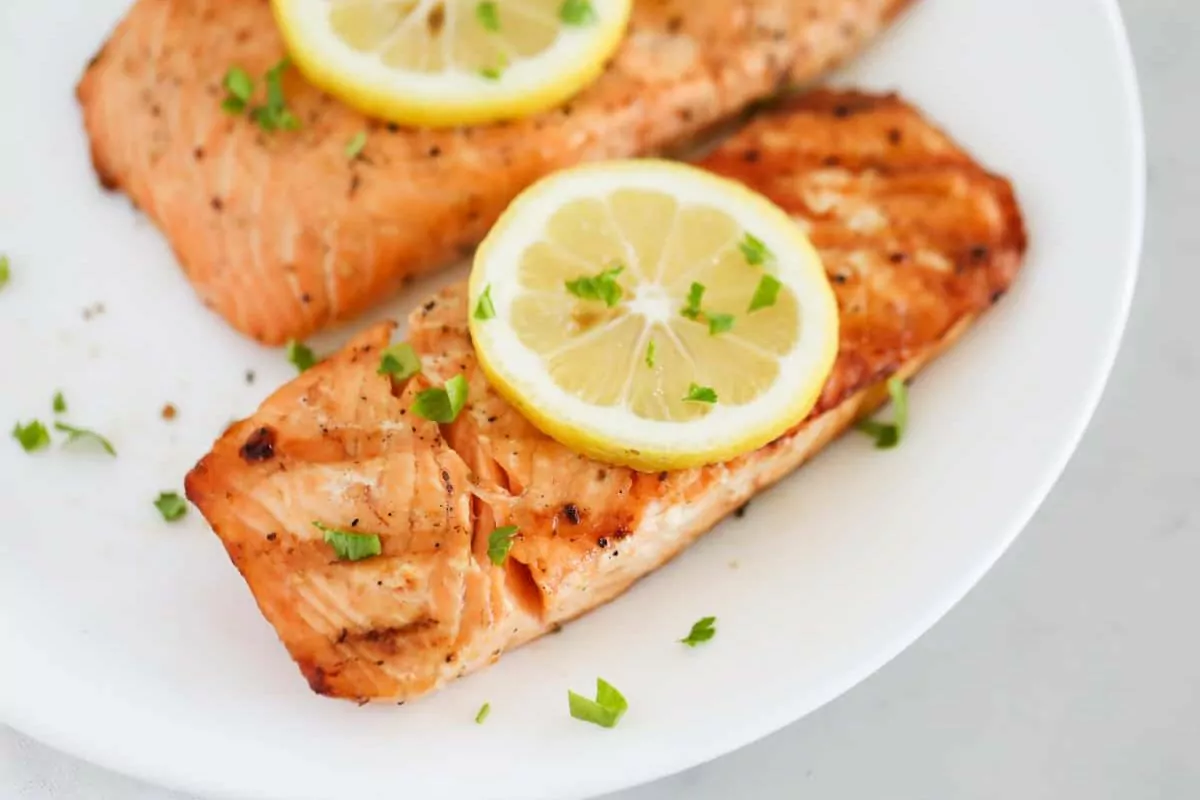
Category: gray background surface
[1073,669]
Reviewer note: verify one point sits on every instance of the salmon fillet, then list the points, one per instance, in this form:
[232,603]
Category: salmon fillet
[917,240]
[281,234]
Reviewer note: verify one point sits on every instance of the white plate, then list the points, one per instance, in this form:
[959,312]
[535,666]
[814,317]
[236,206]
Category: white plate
[134,644]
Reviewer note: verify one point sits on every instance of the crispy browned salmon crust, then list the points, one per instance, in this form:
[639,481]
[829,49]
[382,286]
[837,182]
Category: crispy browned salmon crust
[281,234]
[917,239]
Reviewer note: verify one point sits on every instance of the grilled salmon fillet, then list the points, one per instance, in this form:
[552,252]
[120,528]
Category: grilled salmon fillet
[917,240]
[281,234]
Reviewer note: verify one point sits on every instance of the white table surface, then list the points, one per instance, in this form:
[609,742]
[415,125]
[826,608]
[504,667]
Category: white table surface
[1073,669]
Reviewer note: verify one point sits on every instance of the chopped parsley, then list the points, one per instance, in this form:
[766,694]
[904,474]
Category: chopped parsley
[500,541]
[484,710]
[484,308]
[695,295]
[76,434]
[887,434]
[171,506]
[442,404]
[754,250]
[577,12]
[700,394]
[400,361]
[239,87]
[766,293]
[606,710]
[650,354]
[59,403]
[300,355]
[602,286]
[488,14]
[494,72]
[275,114]
[5,270]
[718,323]
[356,145]
[701,632]
[348,545]
[32,436]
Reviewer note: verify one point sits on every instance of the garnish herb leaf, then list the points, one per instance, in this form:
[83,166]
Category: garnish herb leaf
[239,84]
[754,250]
[650,354]
[718,323]
[887,435]
[5,270]
[500,542]
[75,434]
[702,631]
[484,710]
[356,145]
[484,308]
[603,286]
[494,72]
[700,394]
[300,355]
[171,506]
[488,14]
[32,436]
[606,710]
[766,293]
[59,403]
[240,88]
[442,404]
[695,295]
[348,545]
[577,12]
[400,361]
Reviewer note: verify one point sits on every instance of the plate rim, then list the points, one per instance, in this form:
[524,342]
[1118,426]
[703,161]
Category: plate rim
[72,741]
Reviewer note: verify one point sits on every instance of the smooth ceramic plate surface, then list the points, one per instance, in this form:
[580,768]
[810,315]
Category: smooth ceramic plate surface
[135,644]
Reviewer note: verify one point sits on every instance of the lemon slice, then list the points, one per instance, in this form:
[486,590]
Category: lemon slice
[651,314]
[451,62]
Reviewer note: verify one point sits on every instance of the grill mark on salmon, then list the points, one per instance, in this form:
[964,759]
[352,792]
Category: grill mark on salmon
[917,239]
[281,235]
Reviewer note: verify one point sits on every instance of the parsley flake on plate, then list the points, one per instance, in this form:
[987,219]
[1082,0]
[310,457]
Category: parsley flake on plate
[348,545]
[500,541]
[695,296]
[488,14]
[5,270]
[275,114]
[400,361]
[442,404]
[602,287]
[606,710]
[754,250]
[700,394]
[32,436]
[59,403]
[239,88]
[718,323]
[577,12]
[702,631]
[766,293]
[300,355]
[484,309]
[171,506]
[75,434]
[887,434]
[484,710]
[356,145]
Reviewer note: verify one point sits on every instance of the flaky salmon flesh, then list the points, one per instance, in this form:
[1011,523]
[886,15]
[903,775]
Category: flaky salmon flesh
[281,234]
[917,241]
